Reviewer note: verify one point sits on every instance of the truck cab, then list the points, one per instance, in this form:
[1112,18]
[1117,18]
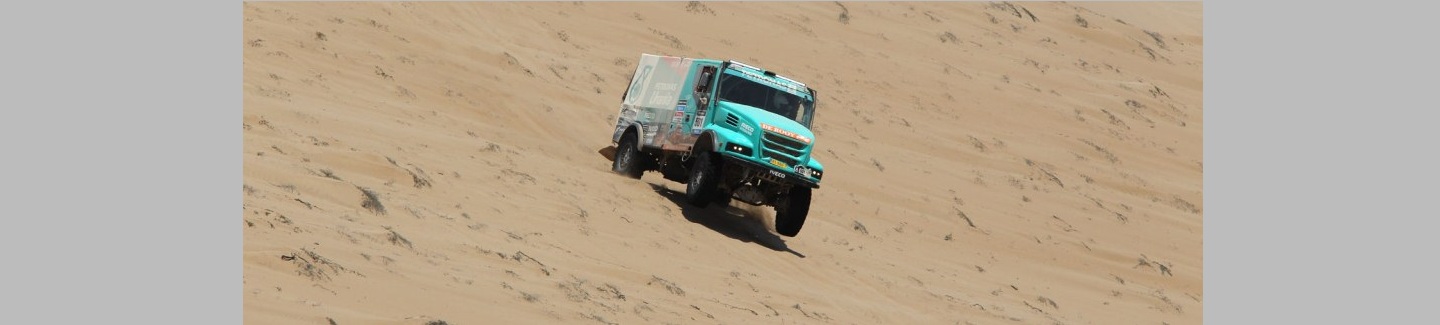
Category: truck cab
[728,130]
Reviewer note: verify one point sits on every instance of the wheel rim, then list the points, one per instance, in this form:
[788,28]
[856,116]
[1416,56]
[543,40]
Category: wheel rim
[625,157]
[697,175]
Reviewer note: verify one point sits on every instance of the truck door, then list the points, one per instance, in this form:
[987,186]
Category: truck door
[695,100]
[702,96]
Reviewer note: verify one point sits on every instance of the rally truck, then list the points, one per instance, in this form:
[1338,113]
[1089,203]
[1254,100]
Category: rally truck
[725,129]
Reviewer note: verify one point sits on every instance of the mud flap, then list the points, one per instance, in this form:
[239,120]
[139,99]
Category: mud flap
[608,153]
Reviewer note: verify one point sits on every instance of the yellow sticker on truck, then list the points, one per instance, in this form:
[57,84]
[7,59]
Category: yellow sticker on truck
[778,163]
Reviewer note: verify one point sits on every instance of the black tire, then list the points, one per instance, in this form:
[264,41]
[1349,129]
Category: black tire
[790,215]
[704,176]
[628,159]
[722,198]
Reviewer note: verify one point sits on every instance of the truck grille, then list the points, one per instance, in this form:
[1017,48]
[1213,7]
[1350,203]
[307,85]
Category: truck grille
[788,143]
[782,148]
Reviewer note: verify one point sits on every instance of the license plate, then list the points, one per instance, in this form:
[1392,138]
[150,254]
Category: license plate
[778,163]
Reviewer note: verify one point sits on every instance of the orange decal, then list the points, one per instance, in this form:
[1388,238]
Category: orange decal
[783,132]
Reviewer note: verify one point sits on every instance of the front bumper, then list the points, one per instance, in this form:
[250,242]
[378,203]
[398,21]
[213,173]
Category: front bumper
[789,176]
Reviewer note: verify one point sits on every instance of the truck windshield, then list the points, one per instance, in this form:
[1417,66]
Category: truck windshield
[743,91]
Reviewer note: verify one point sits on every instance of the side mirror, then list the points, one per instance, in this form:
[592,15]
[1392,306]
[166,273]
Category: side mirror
[704,82]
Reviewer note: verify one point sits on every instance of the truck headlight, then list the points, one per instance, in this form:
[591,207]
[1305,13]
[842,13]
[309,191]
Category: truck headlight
[807,171]
[743,150]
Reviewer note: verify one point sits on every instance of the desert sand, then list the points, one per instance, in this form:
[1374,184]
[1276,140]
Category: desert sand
[986,163]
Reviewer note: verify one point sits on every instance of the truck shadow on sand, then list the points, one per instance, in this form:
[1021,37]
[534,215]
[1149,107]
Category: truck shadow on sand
[733,222]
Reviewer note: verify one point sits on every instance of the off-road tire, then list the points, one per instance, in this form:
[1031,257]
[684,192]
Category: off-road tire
[628,159]
[722,198]
[704,178]
[790,214]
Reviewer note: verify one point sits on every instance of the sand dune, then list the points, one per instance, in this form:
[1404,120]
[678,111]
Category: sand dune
[987,163]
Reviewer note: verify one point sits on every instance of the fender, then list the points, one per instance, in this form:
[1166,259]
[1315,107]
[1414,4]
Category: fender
[639,129]
[636,127]
[730,136]
[707,140]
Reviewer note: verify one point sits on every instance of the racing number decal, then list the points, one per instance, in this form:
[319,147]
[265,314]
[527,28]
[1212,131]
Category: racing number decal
[634,84]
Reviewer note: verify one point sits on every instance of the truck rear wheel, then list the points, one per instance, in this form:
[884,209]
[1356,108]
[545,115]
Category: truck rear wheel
[790,213]
[628,160]
[704,176]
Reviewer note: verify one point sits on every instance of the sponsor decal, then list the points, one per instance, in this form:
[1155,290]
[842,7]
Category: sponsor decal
[675,120]
[783,132]
[778,163]
[660,92]
[747,128]
[803,170]
[699,125]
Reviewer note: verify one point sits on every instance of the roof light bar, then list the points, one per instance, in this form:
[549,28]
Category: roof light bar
[791,80]
[767,72]
[745,65]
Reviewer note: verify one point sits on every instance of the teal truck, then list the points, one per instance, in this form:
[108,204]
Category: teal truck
[726,129]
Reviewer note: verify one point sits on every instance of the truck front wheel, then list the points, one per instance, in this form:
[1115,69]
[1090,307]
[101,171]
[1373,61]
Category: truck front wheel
[790,212]
[704,176]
